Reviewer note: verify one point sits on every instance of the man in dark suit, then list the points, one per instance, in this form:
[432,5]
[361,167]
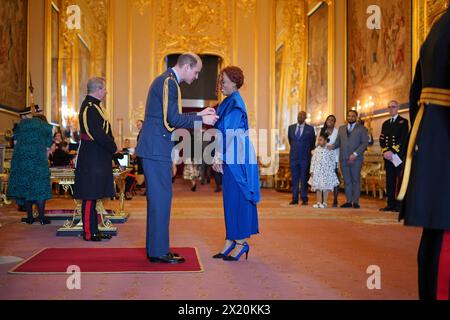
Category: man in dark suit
[352,141]
[162,116]
[302,139]
[426,179]
[393,142]
[93,174]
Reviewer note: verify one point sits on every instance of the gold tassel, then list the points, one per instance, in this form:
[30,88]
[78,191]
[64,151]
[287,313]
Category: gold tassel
[105,125]
[166,102]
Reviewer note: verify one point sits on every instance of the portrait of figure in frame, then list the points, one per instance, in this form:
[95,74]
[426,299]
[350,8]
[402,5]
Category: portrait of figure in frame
[317,69]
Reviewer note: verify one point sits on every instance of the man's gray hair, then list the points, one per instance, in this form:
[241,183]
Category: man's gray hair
[394,102]
[95,84]
[188,58]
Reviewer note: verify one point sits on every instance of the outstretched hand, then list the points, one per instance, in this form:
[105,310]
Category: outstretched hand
[206,112]
[210,119]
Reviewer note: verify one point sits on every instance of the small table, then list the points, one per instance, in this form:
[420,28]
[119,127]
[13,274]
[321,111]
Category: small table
[74,226]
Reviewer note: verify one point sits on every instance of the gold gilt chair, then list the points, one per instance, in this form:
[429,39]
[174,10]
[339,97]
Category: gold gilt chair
[373,178]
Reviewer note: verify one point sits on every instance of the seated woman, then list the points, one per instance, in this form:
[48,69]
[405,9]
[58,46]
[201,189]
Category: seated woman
[237,161]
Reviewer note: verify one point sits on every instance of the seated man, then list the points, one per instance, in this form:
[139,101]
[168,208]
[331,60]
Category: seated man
[60,157]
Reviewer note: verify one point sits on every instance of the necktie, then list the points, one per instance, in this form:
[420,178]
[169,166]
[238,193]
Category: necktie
[350,129]
[298,133]
[392,120]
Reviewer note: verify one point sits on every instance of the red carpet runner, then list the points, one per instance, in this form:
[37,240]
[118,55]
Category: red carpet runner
[105,260]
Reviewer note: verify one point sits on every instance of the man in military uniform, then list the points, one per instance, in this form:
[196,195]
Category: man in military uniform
[393,142]
[93,174]
[426,179]
[162,116]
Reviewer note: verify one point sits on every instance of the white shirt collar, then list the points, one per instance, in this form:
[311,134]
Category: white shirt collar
[176,75]
[395,118]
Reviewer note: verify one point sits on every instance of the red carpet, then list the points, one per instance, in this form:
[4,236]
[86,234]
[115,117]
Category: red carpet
[105,260]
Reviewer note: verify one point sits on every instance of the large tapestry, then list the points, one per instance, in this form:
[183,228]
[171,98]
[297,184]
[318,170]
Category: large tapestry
[13,53]
[378,60]
[317,70]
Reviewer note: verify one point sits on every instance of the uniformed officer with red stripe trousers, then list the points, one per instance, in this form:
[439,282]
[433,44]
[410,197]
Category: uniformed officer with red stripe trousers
[93,174]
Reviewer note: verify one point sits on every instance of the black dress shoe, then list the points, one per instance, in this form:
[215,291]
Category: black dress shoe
[335,204]
[29,220]
[104,236]
[173,254]
[170,254]
[94,237]
[44,221]
[167,258]
[293,203]
[385,209]
[98,237]
[356,206]
[304,203]
[346,205]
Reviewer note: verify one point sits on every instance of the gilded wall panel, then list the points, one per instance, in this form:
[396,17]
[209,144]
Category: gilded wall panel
[82,54]
[192,25]
[426,13]
[291,58]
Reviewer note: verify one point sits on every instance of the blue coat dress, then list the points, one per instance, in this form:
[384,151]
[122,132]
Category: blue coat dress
[241,188]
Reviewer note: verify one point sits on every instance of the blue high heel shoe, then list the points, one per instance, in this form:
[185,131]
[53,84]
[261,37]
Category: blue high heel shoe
[226,253]
[245,249]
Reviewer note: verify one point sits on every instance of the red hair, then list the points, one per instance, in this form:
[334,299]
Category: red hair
[234,73]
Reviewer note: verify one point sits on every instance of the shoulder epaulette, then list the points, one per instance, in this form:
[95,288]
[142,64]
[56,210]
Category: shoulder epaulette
[105,125]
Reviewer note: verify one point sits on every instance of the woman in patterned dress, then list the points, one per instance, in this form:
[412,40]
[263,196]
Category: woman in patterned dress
[29,180]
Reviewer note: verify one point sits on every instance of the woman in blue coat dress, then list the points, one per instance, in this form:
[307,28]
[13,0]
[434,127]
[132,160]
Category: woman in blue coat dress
[237,161]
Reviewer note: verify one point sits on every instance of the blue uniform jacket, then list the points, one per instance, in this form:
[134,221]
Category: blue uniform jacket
[155,140]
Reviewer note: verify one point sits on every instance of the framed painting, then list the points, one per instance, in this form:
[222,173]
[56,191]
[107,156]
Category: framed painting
[378,59]
[13,54]
[317,103]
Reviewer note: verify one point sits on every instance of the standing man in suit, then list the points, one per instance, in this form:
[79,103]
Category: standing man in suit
[426,179]
[162,116]
[393,141]
[352,141]
[93,173]
[302,139]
